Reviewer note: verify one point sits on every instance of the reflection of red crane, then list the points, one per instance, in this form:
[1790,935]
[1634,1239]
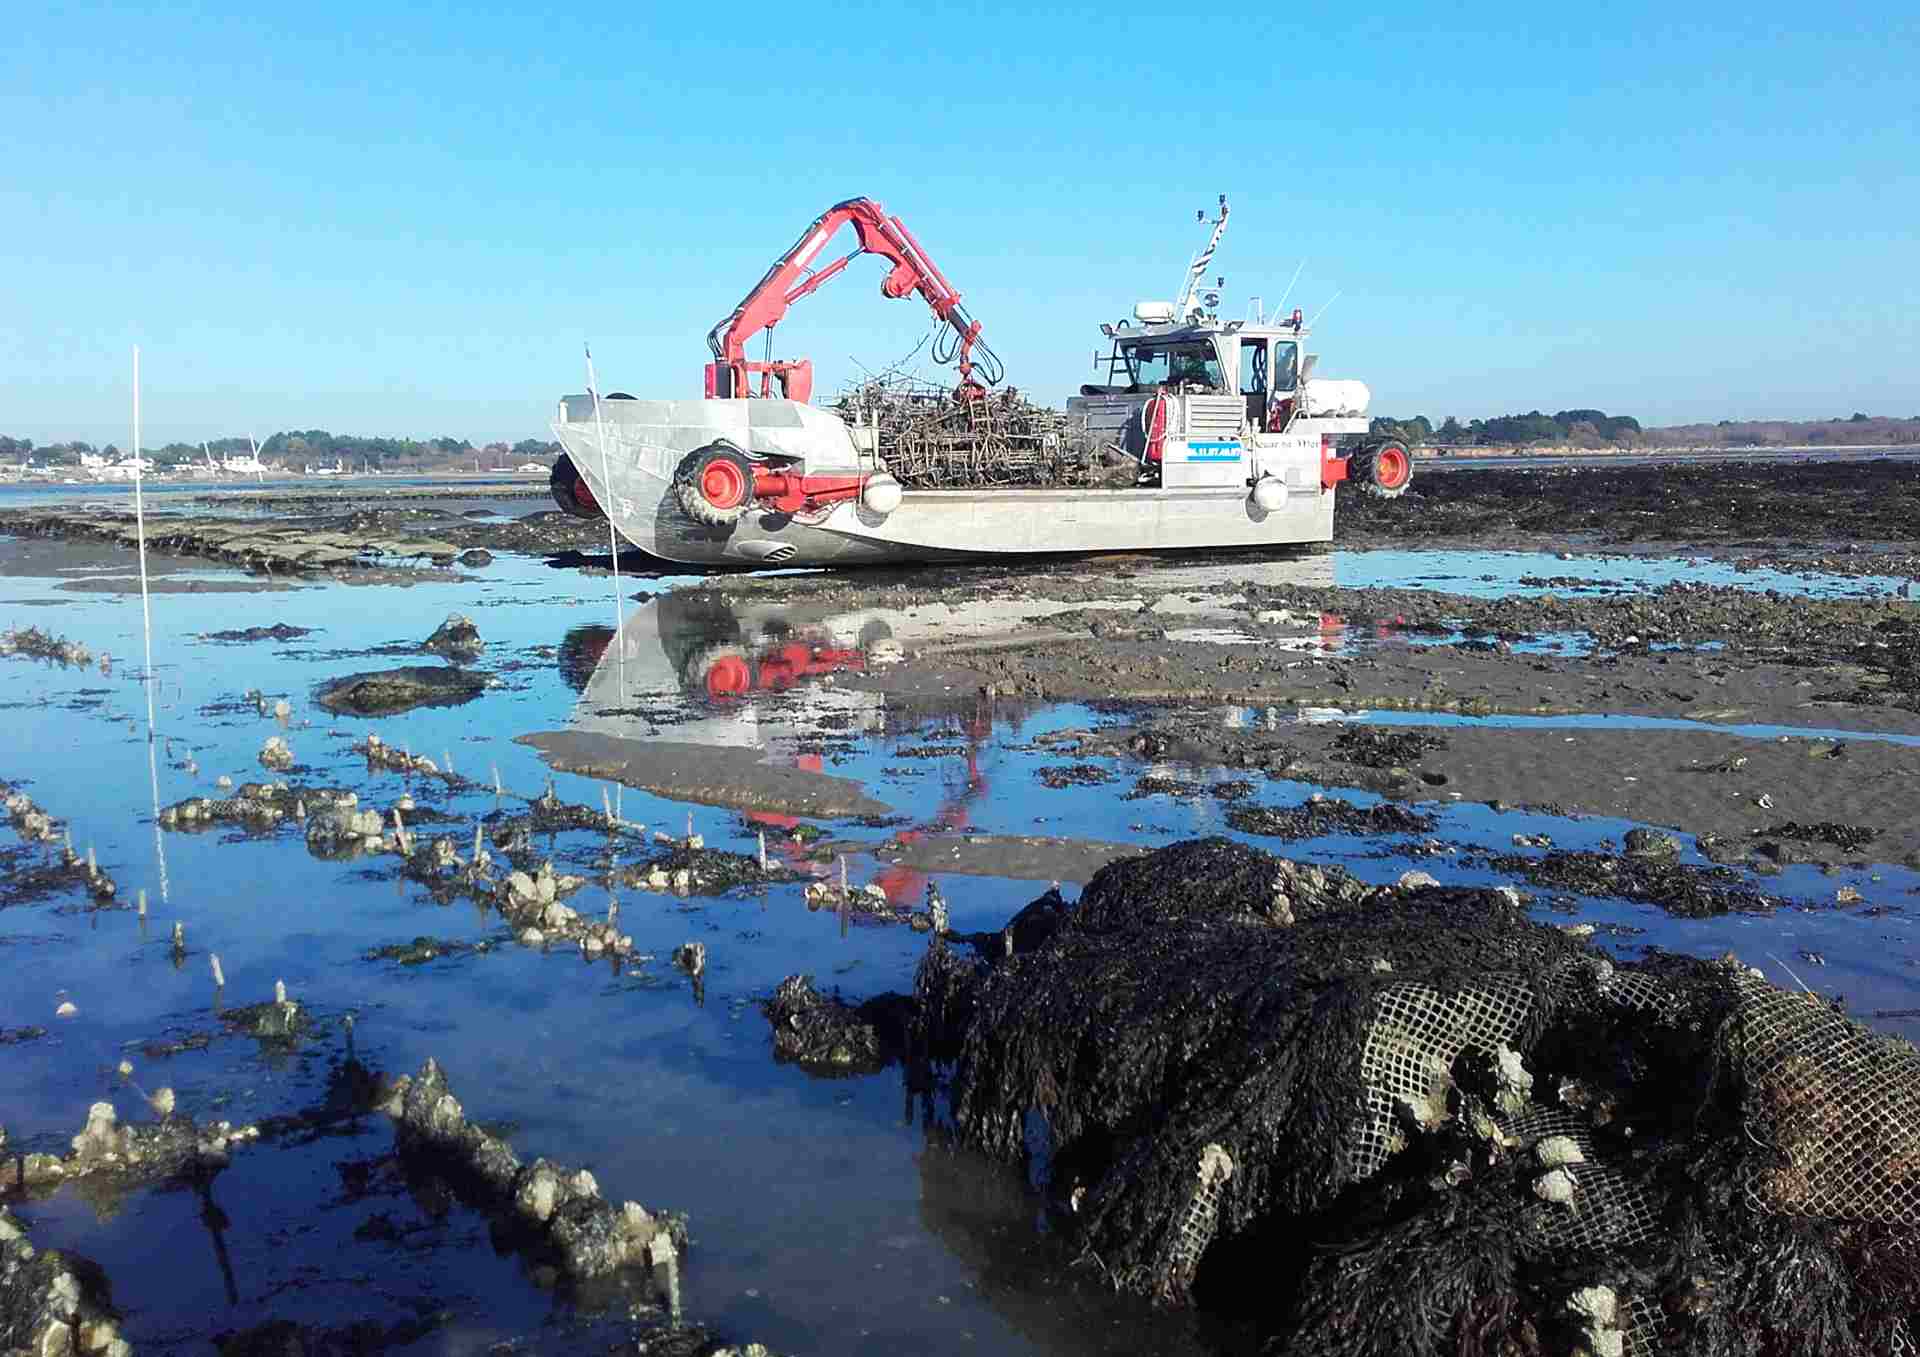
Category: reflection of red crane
[905,887]
[793,277]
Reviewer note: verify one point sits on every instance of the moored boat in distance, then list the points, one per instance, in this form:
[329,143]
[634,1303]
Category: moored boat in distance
[1204,433]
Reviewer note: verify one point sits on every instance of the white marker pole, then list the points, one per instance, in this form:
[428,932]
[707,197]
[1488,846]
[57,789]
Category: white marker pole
[613,541]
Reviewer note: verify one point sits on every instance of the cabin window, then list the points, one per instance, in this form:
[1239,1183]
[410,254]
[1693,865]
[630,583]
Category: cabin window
[1190,364]
[1286,366]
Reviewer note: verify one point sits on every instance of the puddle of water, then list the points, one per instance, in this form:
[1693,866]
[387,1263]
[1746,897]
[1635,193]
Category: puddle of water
[1528,574]
[824,1218]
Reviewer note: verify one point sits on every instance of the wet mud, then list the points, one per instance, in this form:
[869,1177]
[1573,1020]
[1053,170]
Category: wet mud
[339,541]
[1020,857]
[1179,1077]
[740,779]
[1722,503]
[1728,790]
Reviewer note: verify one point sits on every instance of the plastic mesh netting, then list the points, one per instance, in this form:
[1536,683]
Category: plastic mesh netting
[1392,1121]
[1406,1062]
[1839,1105]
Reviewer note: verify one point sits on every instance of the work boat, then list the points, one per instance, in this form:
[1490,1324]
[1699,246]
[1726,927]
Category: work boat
[1203,433]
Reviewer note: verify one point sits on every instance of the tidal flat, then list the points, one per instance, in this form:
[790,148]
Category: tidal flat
[1703,743]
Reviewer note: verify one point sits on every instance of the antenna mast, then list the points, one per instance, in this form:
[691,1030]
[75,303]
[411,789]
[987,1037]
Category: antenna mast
[1195,271]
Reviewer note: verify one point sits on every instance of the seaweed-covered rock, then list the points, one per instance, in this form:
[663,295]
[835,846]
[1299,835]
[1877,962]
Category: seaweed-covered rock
[1212,879]
[53,1302]
[122,1155]
[1687,891]
[558,1211]
[1328,815]
[1380,747]
[1059,775]
[1652,845]
[385,691]
[279,631]
[1847,838]
[457,638]
[35,644]
[285,1338]
[825,1035]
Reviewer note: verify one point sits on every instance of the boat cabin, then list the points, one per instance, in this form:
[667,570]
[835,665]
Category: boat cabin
[1261,364]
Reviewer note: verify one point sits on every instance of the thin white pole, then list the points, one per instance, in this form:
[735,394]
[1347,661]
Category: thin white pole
[140,526]
[146,629]
[613,541]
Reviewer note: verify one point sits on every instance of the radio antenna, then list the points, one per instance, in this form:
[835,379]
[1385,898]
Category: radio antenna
[1323,310]
[1289,292]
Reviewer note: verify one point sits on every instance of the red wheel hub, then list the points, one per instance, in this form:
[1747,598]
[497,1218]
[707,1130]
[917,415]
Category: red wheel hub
[584,496]
[1392,468]
[729,676]
[723,484]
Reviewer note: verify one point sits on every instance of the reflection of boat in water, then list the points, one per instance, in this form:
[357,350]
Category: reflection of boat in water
[688,648]
[689,672]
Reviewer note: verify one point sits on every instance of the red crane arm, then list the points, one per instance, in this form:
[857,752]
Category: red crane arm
[793,277]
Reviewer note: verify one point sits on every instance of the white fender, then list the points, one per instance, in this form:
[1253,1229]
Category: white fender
[1269,494]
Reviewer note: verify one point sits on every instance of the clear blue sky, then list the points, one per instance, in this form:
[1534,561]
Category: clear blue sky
[406,218]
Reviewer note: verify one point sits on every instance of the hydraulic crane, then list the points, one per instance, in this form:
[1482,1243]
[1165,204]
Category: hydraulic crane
[732,374]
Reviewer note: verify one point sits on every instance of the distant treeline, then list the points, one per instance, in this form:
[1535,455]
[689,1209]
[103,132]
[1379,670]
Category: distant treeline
[297,448]
[1856,429]
[1568,428]
[1597,429]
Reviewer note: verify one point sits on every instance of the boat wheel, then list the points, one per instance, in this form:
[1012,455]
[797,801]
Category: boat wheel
[1384,471]
[715,484]
[570,491]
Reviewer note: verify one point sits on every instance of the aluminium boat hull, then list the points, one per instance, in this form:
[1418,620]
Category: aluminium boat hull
[627,453]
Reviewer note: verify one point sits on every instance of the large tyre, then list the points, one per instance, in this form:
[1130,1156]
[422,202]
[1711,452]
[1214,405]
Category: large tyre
[1384,470]
[715,484]
[570,492]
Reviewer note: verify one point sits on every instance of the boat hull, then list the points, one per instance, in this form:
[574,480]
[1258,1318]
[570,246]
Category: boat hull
[627,453]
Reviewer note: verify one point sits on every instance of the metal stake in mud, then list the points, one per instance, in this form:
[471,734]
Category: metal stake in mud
[146,628]
[613,540]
